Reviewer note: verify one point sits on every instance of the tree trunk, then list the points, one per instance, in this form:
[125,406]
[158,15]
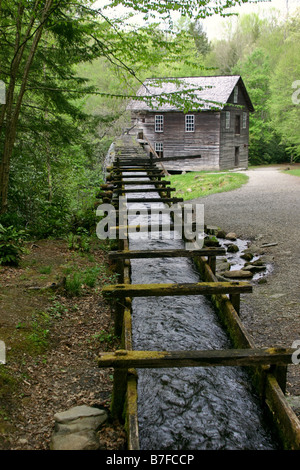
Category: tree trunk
[11,113]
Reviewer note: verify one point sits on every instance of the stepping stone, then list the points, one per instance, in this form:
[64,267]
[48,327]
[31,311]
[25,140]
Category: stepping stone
[236,274]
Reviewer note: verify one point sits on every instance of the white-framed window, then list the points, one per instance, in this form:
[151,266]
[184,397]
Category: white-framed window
[159,123]
[227,119]
[236,94]
[159,148]
[244,120]
[189,123]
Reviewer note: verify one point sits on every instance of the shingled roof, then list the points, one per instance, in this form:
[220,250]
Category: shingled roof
[211,92]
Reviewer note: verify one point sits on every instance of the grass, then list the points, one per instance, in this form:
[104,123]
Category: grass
[193,185]
[293,172]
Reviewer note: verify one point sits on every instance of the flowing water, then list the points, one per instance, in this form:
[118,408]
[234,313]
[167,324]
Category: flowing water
[187,408]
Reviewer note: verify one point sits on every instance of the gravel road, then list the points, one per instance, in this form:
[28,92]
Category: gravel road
[266,210]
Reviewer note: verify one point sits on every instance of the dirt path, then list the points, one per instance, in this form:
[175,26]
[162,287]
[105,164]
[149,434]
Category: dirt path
[266,210]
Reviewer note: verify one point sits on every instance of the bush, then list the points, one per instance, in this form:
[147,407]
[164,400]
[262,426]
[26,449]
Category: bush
[11,248]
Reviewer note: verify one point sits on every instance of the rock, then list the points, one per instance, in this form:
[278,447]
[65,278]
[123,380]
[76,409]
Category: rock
[247,256]
[221,278]
[225,266]
[254,269]
[81,424]
[221,234]
[211,242]
[262,280]
[231,236]
[236,274]
[258,262]
[211,229]
[232,248]
[75,441]
[254,249]
[75,429]
[78,412]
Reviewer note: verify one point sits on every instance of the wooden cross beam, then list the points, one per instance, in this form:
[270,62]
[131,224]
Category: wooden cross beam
[127,170]
[142,182]
[125,359]
[177,253]
[151,199]
[144,190]
[198,288]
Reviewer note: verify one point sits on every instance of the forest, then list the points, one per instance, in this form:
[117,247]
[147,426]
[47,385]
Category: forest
[68,70]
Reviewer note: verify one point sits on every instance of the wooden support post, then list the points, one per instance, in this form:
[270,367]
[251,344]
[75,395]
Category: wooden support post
[120,269]
[132,411]
[212,263]
[119,308]
[280,373]
[236,301]
[119,393]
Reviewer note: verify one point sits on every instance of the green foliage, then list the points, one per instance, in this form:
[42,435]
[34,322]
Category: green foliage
[107,339]
[265,52]
[78,280]
[11,241]
[38,337]
[79,241]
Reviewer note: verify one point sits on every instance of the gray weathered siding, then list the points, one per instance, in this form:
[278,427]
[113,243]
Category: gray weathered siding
[229,139]
[204,141]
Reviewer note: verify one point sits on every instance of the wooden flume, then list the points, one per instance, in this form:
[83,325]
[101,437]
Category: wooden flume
[267,366]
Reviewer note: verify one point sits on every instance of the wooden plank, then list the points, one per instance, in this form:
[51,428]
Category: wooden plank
[175,158]
[132,412]
[285,419]
[131,170]
[177,253]
[140,227]
[151,199]
[144,190]
[198,288]
[141,182]
[135,176]
[204,358]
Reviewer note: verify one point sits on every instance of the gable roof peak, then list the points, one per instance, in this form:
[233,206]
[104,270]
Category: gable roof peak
[207,92]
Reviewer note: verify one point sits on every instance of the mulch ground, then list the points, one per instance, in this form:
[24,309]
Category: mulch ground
[40,379]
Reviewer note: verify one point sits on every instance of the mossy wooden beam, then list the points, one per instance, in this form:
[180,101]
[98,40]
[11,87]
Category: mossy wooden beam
[144,228]
[123,359]
[169,253]
[141,183]
[152,199]
[156,290]
[286,421]
[132,412]
[143,190]
[136,170]
[155,211]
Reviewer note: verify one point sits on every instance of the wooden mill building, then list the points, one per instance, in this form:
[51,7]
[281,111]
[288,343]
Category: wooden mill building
[215,126]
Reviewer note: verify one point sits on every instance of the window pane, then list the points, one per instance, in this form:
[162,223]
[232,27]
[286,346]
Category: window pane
[244,120]
[189,123]
[159,123]
[159,148]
